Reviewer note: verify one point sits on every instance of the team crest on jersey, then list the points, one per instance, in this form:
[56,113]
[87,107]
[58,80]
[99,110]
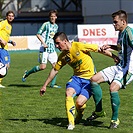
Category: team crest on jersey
[77,53]
[52,34]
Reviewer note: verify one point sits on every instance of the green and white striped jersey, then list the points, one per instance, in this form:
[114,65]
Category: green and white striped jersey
[125,48]
[48,30]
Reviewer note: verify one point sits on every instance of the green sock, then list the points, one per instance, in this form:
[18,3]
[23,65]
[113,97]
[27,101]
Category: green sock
[97,96]
[33,70]
[115,102]
[53,81]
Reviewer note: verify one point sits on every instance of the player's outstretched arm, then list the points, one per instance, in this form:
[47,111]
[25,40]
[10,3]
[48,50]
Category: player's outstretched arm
[116,58]
[108,46]
[48,80]
[109,54]
[12,42]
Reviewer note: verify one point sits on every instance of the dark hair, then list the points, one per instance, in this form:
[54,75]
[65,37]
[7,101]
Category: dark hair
[122,15]
[61,35]
[53,11]
[10,12]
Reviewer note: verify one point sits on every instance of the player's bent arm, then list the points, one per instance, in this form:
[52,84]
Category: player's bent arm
[12,42]
[114,47]
[41,40]
[3,42]
[108,46]
[105,52]
[48,80]
[109,54]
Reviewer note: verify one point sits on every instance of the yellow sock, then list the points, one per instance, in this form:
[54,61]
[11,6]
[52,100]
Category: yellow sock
[70,109]
[81,110]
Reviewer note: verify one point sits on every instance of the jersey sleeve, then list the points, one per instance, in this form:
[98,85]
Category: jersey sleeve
[130,35]
[1,24]
[85,47]
[91,47]
[42,29]
[60,63]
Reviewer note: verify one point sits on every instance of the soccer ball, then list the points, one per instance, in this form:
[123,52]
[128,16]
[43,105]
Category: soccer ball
[3,70]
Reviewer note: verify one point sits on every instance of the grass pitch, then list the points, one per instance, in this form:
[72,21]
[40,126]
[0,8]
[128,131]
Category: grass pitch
[23,110]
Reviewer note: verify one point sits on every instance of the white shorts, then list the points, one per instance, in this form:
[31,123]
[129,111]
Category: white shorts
[44,57]
[117,74]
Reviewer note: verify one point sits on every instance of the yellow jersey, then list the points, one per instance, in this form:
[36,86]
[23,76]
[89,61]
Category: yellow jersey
[79,58]
[5,32]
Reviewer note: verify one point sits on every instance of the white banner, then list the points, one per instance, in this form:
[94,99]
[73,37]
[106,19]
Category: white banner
[98,33]
[94,34]
[33,43]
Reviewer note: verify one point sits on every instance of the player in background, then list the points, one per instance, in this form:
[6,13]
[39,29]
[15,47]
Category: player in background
[121,74]
[5,32]
[47,49]
[77,55]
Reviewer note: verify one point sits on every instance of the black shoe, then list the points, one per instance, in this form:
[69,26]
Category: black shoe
[78,118]
[96,115]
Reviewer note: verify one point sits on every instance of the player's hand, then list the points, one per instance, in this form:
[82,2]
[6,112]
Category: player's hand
[13,43]
[42,91]
[105,47]
[116,59]
[45,46]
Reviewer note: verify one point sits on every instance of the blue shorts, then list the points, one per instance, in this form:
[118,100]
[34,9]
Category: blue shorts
[4,56]
[80,85]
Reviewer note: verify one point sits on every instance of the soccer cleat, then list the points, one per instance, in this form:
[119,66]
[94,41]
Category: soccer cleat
[70,126]
[1,86]
[80,112]
[24,76]
[78,118]
[96,115]
[55,86]
[114,124]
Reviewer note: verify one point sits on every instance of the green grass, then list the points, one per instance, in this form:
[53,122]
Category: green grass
[23,110]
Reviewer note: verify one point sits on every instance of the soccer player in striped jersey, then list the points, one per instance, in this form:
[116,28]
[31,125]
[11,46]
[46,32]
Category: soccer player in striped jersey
[47,50]
[121,74]
[77,55]
[5,32]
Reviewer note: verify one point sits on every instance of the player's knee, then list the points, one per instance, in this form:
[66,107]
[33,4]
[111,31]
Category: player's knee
[42,67]
[93,79]
[8,66]
[69,92]
[114,87]
[97,78]
[79,104]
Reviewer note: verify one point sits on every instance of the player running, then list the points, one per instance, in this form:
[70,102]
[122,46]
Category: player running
[47,50]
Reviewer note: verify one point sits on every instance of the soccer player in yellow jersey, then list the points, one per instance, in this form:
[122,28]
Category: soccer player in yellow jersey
[5,32]
[77,55]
